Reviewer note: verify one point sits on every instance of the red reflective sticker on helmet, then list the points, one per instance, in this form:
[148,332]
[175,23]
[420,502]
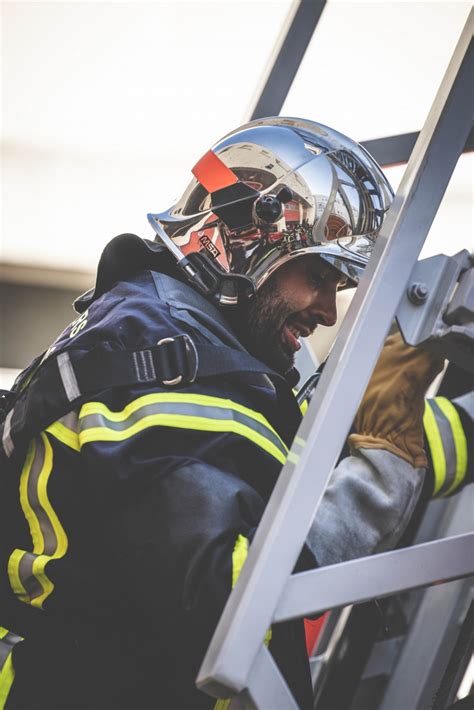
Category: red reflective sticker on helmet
[212,173]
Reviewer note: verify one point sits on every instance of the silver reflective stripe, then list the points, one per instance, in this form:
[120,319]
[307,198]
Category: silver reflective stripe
[187,409]
[70,421]
[50,541]
[68,377]
[7,440]
[449,447]
[30,583]
[7,643]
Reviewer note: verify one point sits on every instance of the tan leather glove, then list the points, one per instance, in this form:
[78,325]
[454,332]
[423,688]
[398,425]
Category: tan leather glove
[390,416]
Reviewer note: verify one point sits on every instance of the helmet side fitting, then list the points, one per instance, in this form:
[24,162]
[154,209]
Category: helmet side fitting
[273,190]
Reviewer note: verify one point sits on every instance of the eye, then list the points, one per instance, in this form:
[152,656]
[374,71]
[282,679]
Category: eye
[316,280]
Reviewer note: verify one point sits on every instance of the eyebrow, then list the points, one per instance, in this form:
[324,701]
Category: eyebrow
[325,271]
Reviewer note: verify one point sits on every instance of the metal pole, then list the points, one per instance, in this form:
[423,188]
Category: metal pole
[391,150]
[266,687]
[433,632]
[378,576]
[301,485]
[288,58]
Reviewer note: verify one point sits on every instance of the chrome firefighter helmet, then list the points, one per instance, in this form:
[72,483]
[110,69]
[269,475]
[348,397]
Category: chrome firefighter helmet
[270,191]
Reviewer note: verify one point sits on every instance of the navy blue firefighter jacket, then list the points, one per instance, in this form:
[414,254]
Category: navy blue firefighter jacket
[132,517]
[127,520]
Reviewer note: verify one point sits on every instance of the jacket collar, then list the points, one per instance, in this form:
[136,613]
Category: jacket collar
[183,297]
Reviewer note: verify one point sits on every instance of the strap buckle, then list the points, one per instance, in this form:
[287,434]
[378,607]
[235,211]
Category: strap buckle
[178,360]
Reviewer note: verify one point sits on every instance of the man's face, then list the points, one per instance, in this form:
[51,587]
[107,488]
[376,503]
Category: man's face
[297,298]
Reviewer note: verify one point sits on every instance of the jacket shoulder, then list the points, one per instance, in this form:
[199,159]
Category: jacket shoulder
[132,315]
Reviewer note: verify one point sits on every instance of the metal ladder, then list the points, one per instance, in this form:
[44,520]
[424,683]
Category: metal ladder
[237,663]
[398,654]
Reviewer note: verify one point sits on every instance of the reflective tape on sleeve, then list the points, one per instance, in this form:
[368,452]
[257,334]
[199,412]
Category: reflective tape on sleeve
[27,568]
[65,430]
[448,445]
[68,376]
[183,411]
[458,436]
[302,405]
[8,641]
[239,555]
[222,704]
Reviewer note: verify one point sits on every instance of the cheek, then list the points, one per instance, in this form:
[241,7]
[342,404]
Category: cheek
[296,294]
[301,298]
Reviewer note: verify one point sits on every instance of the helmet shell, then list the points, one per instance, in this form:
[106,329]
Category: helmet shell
[278,188]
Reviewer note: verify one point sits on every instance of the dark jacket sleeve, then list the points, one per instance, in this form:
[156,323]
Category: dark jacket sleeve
[175,511]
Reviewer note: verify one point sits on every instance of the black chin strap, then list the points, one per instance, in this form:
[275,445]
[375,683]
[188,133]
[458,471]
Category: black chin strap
[128,254]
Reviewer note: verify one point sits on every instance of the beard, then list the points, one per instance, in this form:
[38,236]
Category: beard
[260,328]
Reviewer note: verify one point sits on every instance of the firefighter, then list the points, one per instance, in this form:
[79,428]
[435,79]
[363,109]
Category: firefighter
[141,448]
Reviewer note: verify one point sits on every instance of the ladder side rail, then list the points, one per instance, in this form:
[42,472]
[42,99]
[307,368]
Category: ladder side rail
[266,687]
[298,492]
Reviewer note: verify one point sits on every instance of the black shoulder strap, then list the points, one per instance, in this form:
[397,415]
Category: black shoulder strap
[69,378]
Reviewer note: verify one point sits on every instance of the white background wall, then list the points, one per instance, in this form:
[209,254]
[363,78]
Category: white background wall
[107,105]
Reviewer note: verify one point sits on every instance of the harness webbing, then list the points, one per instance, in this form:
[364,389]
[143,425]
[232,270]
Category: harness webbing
[68,379]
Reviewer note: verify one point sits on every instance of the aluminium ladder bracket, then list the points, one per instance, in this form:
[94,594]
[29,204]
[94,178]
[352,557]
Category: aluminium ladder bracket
[437,308]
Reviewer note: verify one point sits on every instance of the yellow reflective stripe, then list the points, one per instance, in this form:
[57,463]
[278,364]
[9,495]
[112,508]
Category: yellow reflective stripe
[64,435]
[7,676]
[222,704]
[14,576]
[182,421]
[7,671]
[436,447]
[47,534]
[239,555]
[170,397]
[38,570]
[460,442]
[304,404]
[61,539]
